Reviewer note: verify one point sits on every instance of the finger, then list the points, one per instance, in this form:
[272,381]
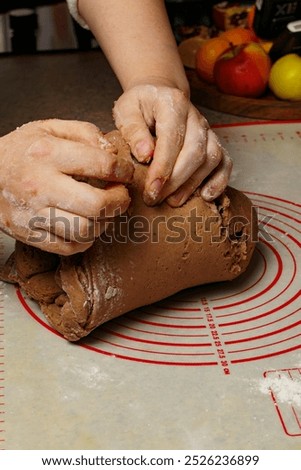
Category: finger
[219,179]
[68,226]
[192,155]
[85,200]
[78,131]
[214,156]
[52,243]
[134,126]
[76,158]
[170,132]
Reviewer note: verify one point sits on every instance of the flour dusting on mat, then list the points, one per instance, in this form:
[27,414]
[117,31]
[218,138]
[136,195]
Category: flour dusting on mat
[286,389]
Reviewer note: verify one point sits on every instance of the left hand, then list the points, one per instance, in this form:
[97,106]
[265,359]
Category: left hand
[160,123]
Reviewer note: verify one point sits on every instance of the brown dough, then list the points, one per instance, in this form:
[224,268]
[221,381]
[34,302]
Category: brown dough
[169,251]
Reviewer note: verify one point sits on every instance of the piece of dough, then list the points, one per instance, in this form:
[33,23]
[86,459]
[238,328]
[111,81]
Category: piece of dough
[145,256]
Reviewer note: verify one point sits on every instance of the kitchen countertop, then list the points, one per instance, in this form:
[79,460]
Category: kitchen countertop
[66,85]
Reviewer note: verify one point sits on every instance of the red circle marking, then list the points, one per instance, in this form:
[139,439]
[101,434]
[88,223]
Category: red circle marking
[266,356]
[265,314]
[286,201]
[156,333]
[263,291]
[286,224]
[263,325]
[271,299]
[257,281]
[281,231]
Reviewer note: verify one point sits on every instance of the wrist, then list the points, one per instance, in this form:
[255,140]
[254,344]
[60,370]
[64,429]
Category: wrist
[159,81]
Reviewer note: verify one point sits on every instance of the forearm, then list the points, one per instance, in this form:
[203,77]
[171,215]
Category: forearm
[137,39]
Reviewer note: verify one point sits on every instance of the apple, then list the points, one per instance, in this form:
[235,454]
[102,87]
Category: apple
[243,70]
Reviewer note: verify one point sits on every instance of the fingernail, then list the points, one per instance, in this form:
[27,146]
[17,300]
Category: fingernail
[144,150]
[155,188]
[208,194]
[151,194]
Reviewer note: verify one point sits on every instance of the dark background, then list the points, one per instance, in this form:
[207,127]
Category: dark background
[7,5]
[182,13]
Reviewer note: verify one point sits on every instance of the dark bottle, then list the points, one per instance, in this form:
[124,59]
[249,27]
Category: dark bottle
[272,16]
[289,41]
[23,27]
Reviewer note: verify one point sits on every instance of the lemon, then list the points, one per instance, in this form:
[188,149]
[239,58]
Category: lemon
[285,77]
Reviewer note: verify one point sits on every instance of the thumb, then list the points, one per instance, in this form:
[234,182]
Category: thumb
[133,127]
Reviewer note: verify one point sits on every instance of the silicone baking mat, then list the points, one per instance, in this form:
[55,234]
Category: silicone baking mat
[215,367]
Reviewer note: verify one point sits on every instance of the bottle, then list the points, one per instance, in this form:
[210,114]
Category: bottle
[272,16]
[23,27]
[288,42]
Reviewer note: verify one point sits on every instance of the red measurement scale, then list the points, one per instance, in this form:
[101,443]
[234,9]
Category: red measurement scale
[2,361]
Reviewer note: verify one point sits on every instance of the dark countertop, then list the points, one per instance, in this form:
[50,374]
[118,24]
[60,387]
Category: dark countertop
[66,85]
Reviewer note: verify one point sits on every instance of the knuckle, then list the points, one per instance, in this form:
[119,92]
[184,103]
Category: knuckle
[108,166]
[41,147]
[120,108]
[193,182]
[215,151]
[173,100]
[228,160]
[215,157]
[115,168]
[130,130]
[179,96]
[90,127]
[197,154]
[229,164]
[176,135]
[198,118]
[171,134]
[90,133]
[193,161]
[109,204]
[203,122]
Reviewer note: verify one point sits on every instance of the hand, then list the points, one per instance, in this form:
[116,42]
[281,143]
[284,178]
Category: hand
[185,152]
[41,202]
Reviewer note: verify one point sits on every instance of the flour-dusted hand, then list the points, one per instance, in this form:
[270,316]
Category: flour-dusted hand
[45,199]
[160,123]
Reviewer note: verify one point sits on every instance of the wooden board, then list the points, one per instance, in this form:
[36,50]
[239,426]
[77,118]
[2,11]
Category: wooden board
[267,107]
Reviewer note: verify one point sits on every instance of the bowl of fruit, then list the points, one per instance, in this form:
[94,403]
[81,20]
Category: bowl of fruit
[234,72]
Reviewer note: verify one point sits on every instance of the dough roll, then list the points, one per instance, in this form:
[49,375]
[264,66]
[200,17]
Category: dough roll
[144,256]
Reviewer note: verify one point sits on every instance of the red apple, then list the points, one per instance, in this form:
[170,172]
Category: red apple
[243,70]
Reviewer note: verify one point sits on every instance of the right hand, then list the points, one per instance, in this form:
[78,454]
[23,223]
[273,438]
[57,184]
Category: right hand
[185,153]
[41,203]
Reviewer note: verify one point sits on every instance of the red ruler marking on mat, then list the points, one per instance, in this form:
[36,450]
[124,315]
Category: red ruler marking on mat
[2,362]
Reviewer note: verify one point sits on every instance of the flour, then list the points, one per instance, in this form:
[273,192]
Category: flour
[91,377]
[284,388]
[111,292]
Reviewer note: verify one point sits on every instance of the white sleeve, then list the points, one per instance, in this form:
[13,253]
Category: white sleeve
[72,5]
